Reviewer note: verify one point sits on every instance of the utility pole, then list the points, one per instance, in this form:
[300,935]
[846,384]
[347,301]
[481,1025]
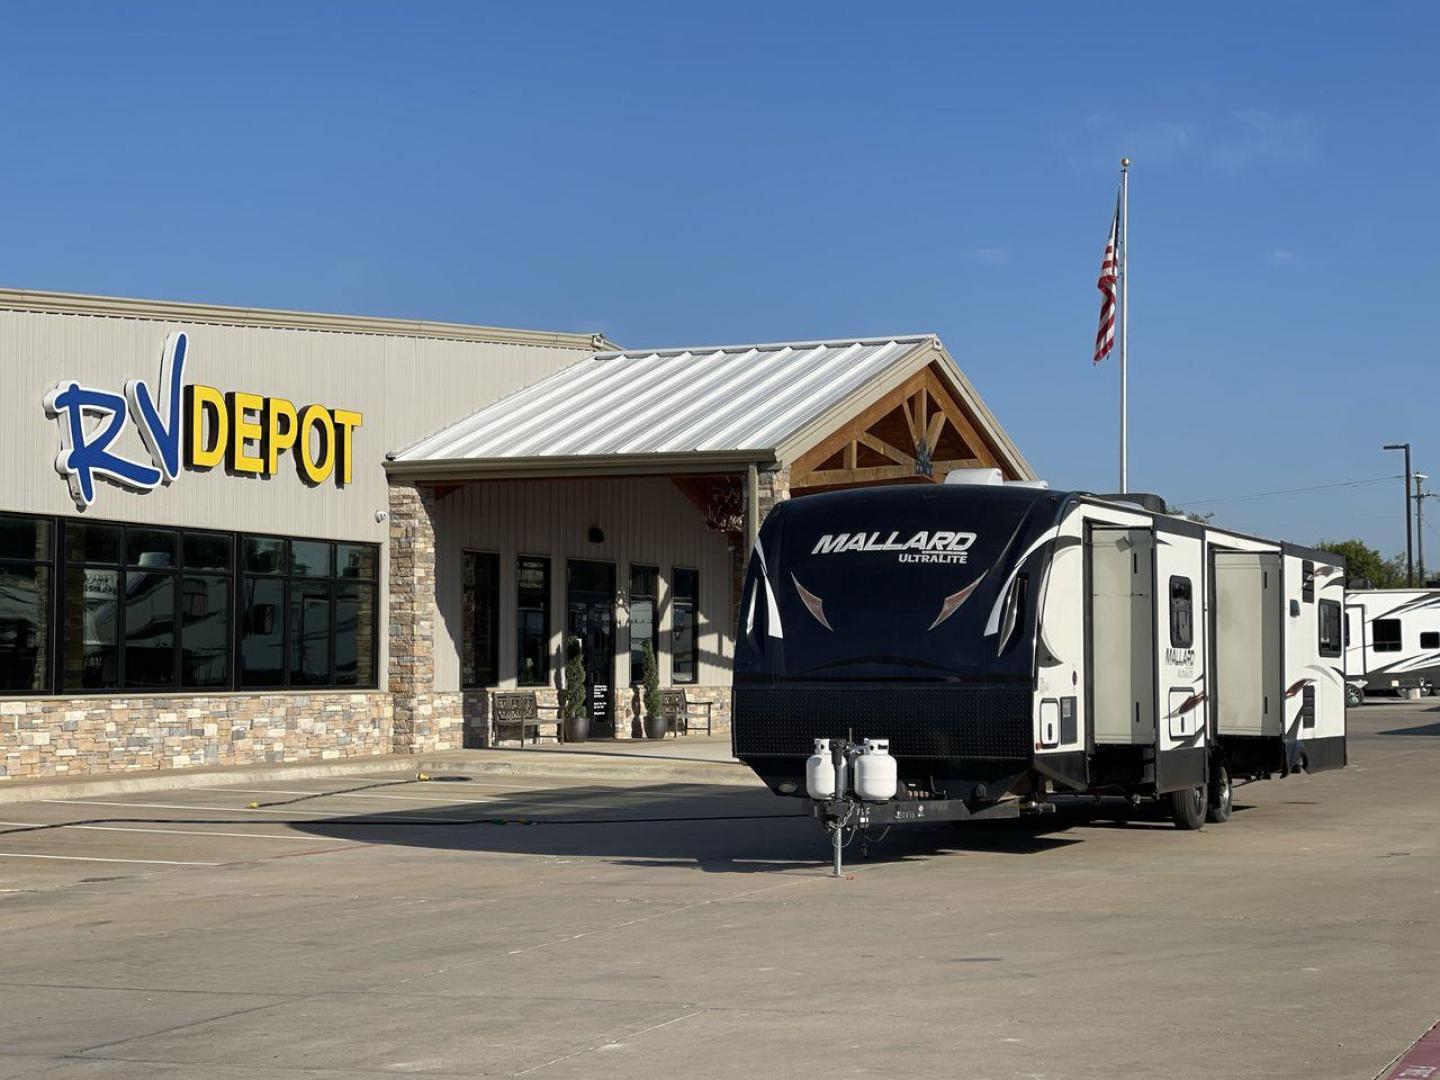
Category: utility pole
[1409,542]
[1420,496]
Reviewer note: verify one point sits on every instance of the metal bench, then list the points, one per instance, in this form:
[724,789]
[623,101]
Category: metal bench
[518,713]
[681,714]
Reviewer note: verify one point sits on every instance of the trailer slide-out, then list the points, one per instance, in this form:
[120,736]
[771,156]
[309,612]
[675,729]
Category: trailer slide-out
[1013,644]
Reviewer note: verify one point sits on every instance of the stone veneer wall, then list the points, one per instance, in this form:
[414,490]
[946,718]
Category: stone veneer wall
[425,721]
[90,735]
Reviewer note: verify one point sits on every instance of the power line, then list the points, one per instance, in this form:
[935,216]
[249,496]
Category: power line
[1288,491]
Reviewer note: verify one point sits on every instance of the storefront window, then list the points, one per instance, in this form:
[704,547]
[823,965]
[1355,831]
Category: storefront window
[147,608]
[644,589]
[310,620]
[26,553]
[532,611]
[480,661]
[684,634]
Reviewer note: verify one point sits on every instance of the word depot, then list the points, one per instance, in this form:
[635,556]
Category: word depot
[194,424]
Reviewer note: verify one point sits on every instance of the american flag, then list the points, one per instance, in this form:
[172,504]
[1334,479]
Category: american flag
[1105,336]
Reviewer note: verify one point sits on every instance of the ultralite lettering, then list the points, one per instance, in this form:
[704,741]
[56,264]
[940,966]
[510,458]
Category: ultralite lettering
[211,427]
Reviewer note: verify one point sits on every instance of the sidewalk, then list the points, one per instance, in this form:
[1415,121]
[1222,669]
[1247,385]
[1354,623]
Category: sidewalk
[691,760]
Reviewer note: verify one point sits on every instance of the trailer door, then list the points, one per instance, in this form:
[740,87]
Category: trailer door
[1122,635]
[1181,752]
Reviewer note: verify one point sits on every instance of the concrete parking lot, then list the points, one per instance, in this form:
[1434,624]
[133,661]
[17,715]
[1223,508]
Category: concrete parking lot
[503,926]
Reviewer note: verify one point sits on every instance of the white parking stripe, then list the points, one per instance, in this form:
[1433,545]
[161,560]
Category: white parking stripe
[242,810]
[97,858]
[41,825]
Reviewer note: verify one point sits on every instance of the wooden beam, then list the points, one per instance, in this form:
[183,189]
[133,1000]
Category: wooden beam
[852,452]
[932,433]
[827,477]
[909,416]
[922,415]
[942,467]
[973,439]
[822,450]
[880,446]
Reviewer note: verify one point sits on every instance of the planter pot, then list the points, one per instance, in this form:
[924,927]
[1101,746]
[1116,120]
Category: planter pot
[577,729]
[656,727]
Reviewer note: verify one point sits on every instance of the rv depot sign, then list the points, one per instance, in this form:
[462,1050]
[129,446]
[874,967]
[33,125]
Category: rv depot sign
[194,424]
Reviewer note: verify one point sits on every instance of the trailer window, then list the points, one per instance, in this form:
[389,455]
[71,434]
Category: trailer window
[1430,639]
[1385,635]
[1307,581]
[1330,642]
[1182,613]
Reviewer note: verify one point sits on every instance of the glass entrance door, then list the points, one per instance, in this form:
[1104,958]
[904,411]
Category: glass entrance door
[590,599]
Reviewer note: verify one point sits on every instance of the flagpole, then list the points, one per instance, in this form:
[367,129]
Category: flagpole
[1122,259]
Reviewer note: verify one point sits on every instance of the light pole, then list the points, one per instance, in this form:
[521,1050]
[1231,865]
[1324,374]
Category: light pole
[1409,542]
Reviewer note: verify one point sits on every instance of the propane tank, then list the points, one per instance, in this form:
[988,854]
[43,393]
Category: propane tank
[876,774]
[820,772]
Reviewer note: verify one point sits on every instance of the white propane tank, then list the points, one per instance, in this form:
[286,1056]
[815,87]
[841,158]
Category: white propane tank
[876,775]
[820,772]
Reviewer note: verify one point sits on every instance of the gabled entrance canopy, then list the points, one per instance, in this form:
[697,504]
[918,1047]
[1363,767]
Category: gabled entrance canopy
[835,413]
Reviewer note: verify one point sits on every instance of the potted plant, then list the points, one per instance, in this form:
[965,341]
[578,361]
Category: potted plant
[655,725]
[573,711]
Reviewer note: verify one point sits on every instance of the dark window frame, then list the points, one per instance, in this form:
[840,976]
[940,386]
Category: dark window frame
[48,600]
[466,681]
[636,673]
[1182,637]
[179,573]
[1388,645]
[1331,643]
[546,595]
[694,677]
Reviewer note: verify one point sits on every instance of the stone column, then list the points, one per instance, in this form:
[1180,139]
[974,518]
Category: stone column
[425,721]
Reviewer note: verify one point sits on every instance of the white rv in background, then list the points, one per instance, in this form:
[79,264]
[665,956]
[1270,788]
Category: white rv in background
[1392,639]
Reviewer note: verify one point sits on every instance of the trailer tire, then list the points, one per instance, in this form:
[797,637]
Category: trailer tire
[1222,796]
[1354,697]
[1187,808]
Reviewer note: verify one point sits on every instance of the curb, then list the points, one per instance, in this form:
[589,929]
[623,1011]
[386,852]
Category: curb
[660,772]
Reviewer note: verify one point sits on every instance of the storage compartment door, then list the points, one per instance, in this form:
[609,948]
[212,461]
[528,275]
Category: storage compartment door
[1122,635]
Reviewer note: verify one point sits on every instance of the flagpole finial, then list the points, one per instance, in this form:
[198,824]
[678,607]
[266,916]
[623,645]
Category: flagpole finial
[1124,162]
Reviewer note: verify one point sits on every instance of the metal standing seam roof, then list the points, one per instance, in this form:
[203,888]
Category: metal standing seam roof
[670,401]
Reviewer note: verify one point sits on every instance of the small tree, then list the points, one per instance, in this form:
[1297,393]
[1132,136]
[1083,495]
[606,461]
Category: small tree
[572,697]
[650,679]
[1366,566]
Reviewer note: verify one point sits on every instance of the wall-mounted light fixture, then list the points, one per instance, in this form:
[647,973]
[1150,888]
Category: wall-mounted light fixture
[596,535]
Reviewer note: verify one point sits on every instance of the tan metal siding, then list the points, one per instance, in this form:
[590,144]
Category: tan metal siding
[405,387]
[645,520]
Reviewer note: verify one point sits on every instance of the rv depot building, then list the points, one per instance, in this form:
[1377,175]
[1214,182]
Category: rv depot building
[231,536]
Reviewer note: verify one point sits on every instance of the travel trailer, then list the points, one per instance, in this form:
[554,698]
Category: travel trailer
[1392,640]
[1003,645]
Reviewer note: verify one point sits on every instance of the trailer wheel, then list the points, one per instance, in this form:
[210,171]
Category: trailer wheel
[1187,808]
[1222,796]
[1354,697]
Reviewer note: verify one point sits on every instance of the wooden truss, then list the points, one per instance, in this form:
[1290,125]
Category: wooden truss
[915,434]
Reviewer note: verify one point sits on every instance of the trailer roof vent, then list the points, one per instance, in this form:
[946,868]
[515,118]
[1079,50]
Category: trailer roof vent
[985,477]
[1037,485]
[1143,499]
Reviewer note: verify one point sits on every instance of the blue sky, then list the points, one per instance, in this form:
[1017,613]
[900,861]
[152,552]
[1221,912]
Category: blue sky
[681,173]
